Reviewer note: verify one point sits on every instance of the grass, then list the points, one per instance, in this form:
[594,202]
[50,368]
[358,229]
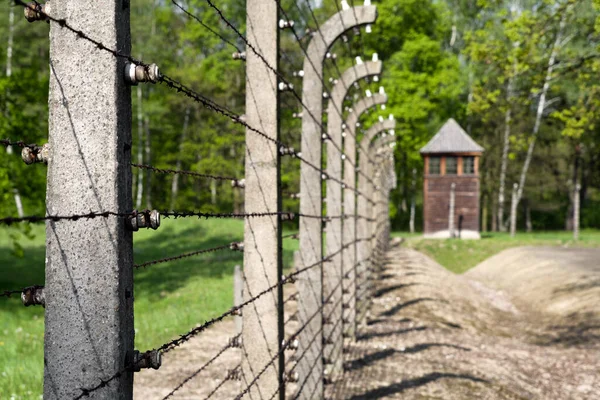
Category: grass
[170,298]
[461,255]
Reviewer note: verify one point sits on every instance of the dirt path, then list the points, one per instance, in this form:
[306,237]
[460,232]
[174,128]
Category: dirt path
[523,325]
[435,335]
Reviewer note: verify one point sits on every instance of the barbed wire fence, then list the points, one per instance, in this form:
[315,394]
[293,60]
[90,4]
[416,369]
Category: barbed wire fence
[88,293]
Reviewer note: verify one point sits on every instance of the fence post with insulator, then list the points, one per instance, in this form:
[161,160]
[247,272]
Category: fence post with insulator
[89,275]
[263,321]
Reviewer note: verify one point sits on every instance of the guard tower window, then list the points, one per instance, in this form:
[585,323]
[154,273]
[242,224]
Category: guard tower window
[451,165]
[468,165]
[434,165]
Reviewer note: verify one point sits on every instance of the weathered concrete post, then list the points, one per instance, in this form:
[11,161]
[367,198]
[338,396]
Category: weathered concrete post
[89,263]
[337,235]
[263,322]
[367,186]
[359,203]
[380,154]
[310,291]
[513,210]
[576,210]
[238,297]
[451,210]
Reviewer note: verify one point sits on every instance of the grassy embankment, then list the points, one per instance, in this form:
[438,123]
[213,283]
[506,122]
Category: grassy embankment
[461,255]
[170,298]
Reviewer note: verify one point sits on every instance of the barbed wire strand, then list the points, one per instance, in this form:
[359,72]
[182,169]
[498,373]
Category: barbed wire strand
[195,17]
[284,347]
[230,374]
[182,172]
[228,346]
[182,256]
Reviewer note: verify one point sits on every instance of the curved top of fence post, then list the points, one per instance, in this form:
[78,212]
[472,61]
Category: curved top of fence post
[335,27]
[360,107]
[385,156]
[374,130]
[348,78]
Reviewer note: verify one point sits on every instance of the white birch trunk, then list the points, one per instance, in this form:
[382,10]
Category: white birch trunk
[542,103]
[451,210]
[505,149]
[148,154]
[213,192]
[140,149]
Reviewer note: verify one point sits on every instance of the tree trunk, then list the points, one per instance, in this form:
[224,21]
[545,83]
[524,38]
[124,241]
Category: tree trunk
[513,210]
[213,192]
[175,183]
[451,210]
[9,51]
[542,103]
[411,223]
[505,148]
[9,46]
[403,203]
[494,215]
[148,151]
[574,181]
[576,211]
[528,224]
[140,149]
[484,214]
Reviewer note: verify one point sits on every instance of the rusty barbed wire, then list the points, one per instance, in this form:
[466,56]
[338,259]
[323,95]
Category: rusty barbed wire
[230,375]
[299,40]
[178,86]
[268,65]
[182,172]
[38,218]
[182,256]
[307,348]
[186,214]
[9,293]
[190,15]
[165,348]
[228,346]
[286,344]
[292,297]
[16,143]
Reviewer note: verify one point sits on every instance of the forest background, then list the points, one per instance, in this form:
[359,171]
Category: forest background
[520,76]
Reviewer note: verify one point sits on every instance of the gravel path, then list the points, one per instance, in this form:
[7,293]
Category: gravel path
[523,325]
[435,335]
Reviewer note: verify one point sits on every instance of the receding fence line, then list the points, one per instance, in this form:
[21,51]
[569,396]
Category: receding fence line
[328,310]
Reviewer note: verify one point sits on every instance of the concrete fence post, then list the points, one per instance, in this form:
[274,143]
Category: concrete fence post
[309,284]
[451,210]
[513,210]
[366,247]
[361,203]
[381,149]
[89,263]
[263,322]
[238,297]
[338,234]
[576,210]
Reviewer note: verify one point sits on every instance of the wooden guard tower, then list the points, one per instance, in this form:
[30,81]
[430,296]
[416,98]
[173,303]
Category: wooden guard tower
[451,184]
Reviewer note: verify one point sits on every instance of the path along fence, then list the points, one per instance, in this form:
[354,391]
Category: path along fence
[88,291]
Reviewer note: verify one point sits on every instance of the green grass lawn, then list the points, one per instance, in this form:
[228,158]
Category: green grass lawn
[170,298]
[461,255]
